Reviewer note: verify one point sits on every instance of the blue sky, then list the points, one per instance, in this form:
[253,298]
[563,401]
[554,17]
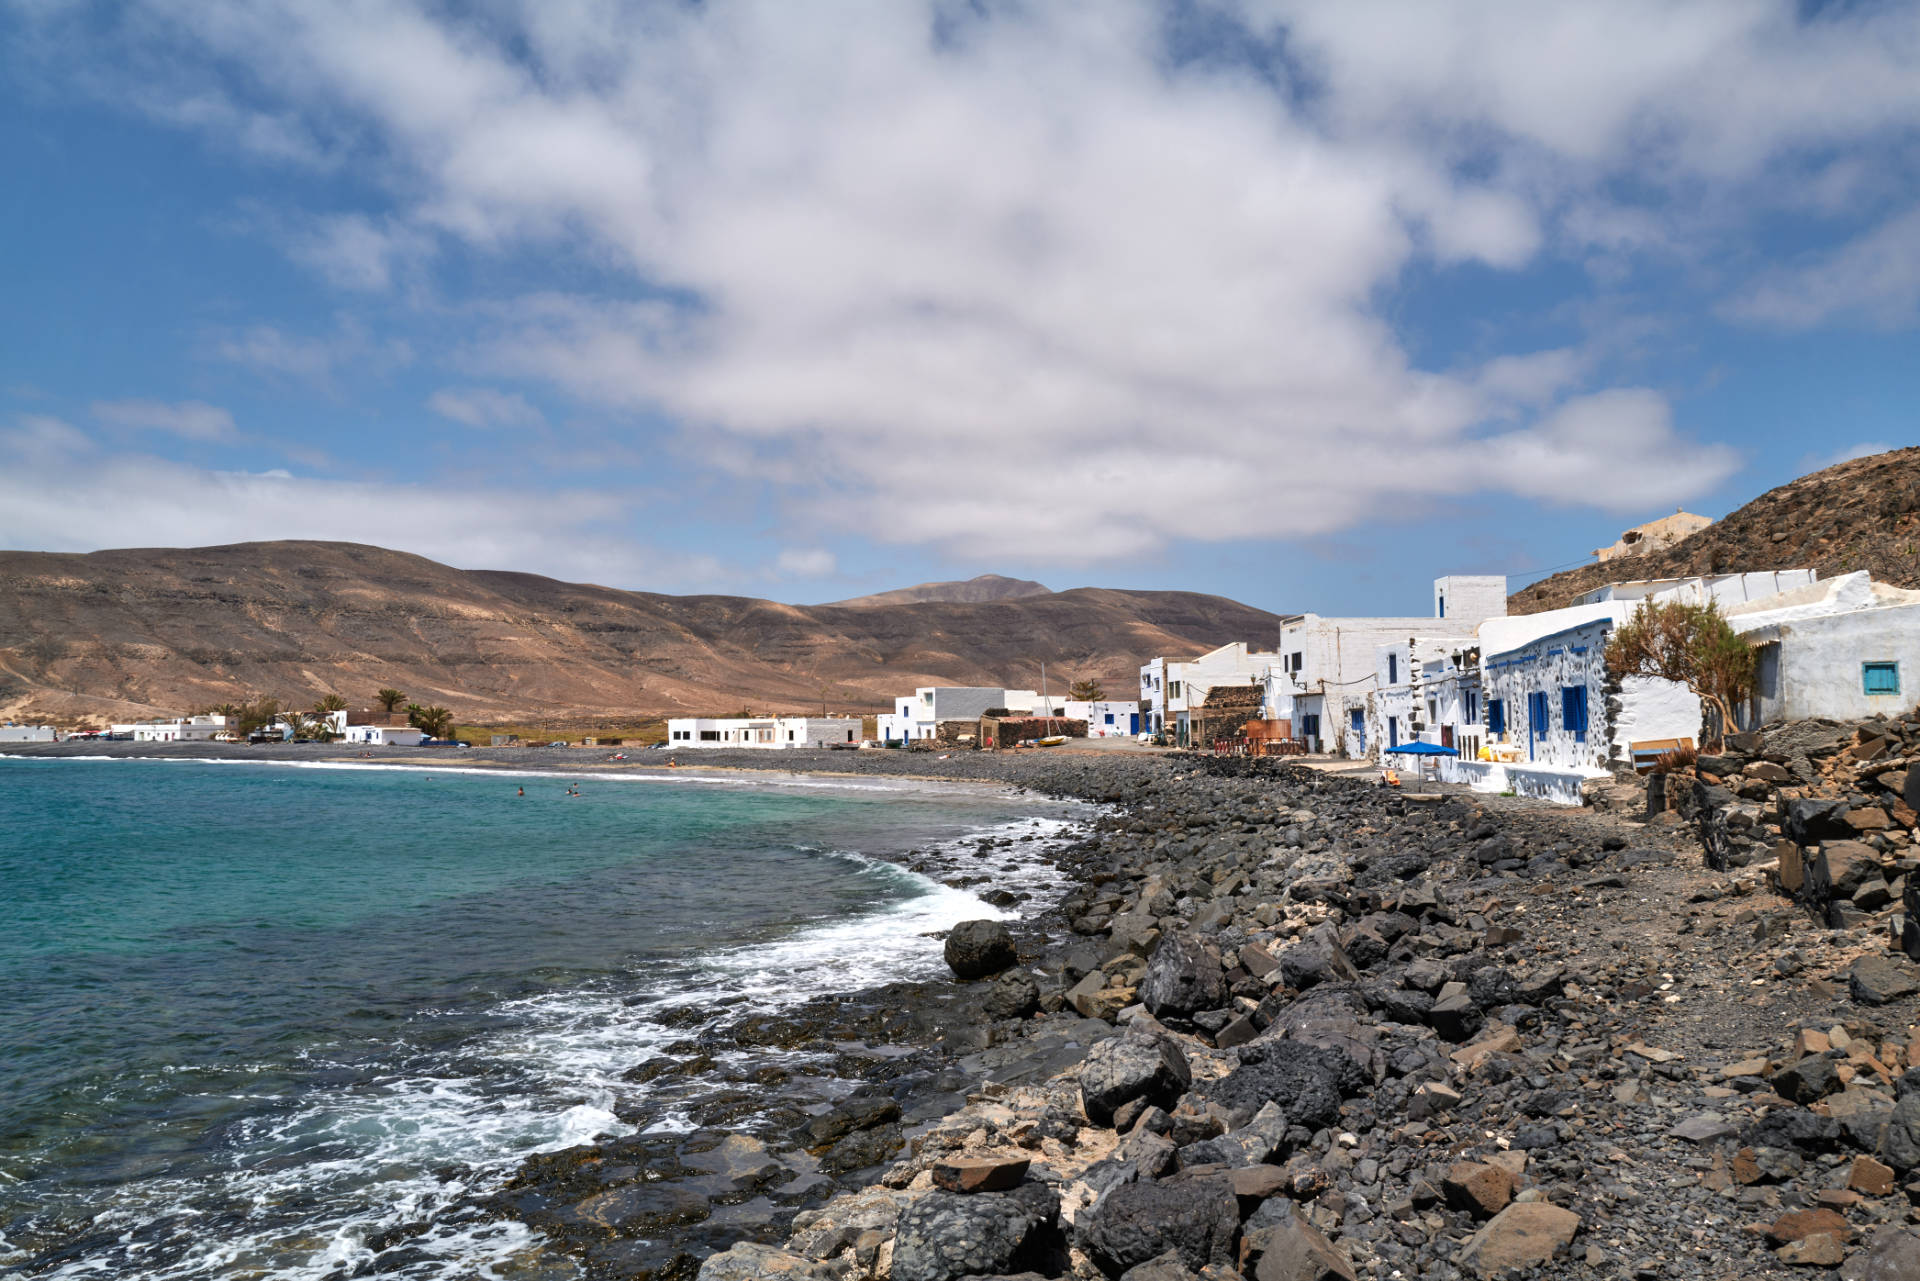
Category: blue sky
[1298,303]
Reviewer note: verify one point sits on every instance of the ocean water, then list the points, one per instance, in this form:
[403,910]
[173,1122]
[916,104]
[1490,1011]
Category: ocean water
[257,1014]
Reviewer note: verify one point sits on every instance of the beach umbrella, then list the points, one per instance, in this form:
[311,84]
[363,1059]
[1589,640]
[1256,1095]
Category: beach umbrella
[1421,749]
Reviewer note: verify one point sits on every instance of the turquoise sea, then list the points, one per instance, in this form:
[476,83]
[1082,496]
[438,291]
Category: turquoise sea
[258,1013]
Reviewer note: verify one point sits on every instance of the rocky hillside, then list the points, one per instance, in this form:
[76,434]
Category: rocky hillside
[1863,514]
[163,631]
[981,588]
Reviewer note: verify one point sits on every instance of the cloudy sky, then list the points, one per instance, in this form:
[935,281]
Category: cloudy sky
[1304,303]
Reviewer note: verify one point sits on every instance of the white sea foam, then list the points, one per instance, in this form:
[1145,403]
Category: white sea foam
[315,1182]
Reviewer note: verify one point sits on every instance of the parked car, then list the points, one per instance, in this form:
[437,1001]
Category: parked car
[558,742]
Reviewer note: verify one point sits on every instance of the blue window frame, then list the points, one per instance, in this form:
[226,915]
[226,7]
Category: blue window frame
[1393,669]
[1880,678]
[1473,706]
[1573,710]
[1537,716]
[1496,716]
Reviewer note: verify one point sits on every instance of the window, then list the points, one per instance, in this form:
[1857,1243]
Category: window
[1473,706]
[1443,604]
[1496,716]
[1109,718]
[1573,710]
[1880,678]
[1393,669]
[1173,689]
[1537,717]
[709,735]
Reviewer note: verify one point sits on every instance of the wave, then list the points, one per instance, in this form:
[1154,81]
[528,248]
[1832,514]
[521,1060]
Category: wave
[313,1182]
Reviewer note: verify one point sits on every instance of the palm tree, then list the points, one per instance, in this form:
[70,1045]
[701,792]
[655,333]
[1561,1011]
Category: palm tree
[390,699]
[437,721]
[331,703]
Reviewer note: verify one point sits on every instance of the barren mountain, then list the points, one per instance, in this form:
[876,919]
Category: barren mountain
[983,588]
[1863,514]
[140,632]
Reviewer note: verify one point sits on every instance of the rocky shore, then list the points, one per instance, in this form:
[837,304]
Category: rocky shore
[1299,1027]
[1291,1025]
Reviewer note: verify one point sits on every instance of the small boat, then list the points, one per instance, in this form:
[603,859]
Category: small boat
[1052,740]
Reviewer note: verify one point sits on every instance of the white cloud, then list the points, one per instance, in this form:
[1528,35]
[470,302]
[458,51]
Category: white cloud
[920,258]
[191,419]
[355,252]
[805,562]
[268,349]
[57,493]
[1875,276]
[484,407]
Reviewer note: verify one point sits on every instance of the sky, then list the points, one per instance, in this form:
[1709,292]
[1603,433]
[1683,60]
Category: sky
[1299,303]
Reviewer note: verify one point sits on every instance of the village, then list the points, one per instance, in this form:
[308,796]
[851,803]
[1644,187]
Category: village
[1463,692]
[1499,703]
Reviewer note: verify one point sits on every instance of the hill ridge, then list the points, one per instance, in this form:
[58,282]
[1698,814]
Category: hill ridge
[142,631]
[1860,514]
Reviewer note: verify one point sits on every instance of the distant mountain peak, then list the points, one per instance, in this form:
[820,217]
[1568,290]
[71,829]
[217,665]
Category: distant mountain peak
[985,587]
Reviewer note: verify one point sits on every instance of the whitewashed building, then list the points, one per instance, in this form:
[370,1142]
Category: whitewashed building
[1326,668]
[1554,718]
[774,733]
[1171,690]
[1426,691]
[1844,649]
[11,733]
[919,715]
[383,735]
[1105,718]
[187,729]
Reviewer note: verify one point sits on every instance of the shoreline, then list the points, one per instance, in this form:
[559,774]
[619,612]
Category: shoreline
[1411,1040]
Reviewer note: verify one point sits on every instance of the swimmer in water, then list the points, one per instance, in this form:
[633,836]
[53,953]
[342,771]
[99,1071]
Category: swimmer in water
[521,792]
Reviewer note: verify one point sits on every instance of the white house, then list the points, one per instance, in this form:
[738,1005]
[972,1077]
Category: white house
[1105,718]
[1844,649]
[383,735]
[1327,666]
[773,733]
[1171,690]
[11,733]
[191,729]
[1426,690]
[1553,716]
[920,714]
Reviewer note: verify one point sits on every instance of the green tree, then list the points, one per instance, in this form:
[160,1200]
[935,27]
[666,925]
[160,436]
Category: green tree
[1692,645]
[437,721]
[331,703]
[390,699]
[258,714]
[1086,691]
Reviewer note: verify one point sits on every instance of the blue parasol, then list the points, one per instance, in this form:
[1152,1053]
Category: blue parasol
[1422,749]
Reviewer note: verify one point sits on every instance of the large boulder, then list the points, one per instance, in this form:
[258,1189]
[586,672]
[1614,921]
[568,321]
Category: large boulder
[1318,958]
[1900,1145]
[945,1235]
[1198,1218]
[1304,1081]
[1524,1235]
[1893,1255]
[1812,820]
[1134,1065]
[976,949]
[1183,978]
[1876,980]
[1295,1251]
[1840,868]
[751,1261]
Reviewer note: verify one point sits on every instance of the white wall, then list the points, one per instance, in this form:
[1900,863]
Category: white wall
[26,734]
[1820,664]
[1106,718]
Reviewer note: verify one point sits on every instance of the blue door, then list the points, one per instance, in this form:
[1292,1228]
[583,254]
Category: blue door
[1134,726]
[1358,721]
